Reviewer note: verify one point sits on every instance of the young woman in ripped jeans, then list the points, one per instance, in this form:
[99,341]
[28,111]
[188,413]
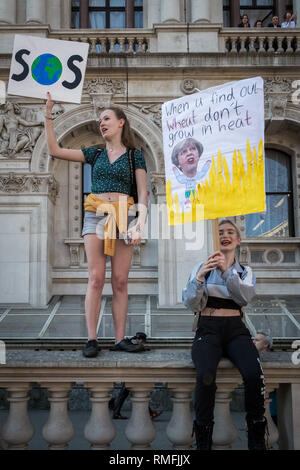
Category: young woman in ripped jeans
[217,290]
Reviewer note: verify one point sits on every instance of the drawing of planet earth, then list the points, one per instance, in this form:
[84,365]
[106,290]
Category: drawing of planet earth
[46,69]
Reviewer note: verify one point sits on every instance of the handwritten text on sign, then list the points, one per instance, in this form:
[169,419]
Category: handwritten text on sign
[210,134]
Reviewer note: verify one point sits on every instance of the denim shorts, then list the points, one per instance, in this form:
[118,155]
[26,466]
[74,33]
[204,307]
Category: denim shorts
[93,223]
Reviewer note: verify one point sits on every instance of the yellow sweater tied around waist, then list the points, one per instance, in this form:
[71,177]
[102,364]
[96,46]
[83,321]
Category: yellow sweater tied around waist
[117,212]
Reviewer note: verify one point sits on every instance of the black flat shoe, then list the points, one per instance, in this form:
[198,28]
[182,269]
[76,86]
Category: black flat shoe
[91,348]
[128,346]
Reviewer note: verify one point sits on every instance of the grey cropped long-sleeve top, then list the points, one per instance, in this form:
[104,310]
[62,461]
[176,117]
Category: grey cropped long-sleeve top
[237,283]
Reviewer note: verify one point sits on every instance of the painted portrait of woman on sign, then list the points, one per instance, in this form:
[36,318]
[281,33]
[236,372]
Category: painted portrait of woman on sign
[188,167]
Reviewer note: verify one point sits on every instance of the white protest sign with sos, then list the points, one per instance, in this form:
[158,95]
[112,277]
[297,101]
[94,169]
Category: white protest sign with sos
[40,65]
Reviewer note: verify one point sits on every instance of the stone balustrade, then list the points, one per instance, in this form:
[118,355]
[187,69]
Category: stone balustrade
[261,41]
[106,42]
[59,370]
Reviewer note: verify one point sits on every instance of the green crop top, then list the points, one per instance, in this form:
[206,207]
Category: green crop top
[112,177]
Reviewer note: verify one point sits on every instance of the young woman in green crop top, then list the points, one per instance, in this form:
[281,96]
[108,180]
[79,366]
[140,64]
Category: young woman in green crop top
[111,182]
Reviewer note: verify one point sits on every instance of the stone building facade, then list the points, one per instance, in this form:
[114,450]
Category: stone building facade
[182,46]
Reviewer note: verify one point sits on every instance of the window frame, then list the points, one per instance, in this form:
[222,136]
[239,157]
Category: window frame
[84,10]
[289,193]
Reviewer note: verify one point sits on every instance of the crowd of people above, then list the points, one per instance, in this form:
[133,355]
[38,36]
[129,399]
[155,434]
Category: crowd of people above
[290,21]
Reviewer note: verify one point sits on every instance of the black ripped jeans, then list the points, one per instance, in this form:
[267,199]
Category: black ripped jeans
[218,337]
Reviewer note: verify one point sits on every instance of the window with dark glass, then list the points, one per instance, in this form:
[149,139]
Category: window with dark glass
[102,14]
[255,9]
[278,220]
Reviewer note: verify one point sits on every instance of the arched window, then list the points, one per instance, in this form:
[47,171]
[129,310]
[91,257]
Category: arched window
[278,220]
[102,14]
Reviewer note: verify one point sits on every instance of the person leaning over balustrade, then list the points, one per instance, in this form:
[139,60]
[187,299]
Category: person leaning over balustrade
[290,20]
[216,291]
[275,22]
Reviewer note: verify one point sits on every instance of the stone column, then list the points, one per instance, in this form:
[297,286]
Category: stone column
[180,428]
[54,13]
[18,430]
[200,11]
[170,11]
[66,14]
[296,9]
[58,430]
[8,11]
[272,428]
[140,430]
[288,407]
[166,245]
[224,433]
[153,13]
[100,430]
[36,11]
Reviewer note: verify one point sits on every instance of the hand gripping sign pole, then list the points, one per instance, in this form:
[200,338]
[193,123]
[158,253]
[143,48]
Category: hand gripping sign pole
[215,230]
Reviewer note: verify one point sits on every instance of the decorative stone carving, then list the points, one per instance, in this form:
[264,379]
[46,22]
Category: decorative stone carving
[152,110]
[15,183]
[158,184]
[100,102]
[104,85]
[277,90]
[278,85]
[188,86]
[18,135]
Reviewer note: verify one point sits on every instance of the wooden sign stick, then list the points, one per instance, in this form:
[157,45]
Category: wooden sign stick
[215,228]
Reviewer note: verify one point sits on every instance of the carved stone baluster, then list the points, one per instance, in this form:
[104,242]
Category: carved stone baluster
[280,41]
[58,430]
[18,430]
[100,430]
[93,49]
[243,49]
[180,427]
[121,43]
[273,434]
[289,49]
[233,41]
[261,50]
[131,45]
[252,49]
[140,430]
[224,433]
[111,45]
[140,46]
[271,40]
[103,45]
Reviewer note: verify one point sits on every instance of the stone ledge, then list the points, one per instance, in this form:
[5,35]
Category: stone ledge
[154,359]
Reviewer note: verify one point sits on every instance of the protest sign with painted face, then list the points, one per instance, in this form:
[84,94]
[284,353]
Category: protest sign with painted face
[40,65]
[214,152]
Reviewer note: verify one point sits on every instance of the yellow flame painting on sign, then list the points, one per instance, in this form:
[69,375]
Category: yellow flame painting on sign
[222,196]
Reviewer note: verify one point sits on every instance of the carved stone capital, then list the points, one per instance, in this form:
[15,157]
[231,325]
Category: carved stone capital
[278,85]
[104,85]
[152,110]
[14,183]
[158,184]
[101,101]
